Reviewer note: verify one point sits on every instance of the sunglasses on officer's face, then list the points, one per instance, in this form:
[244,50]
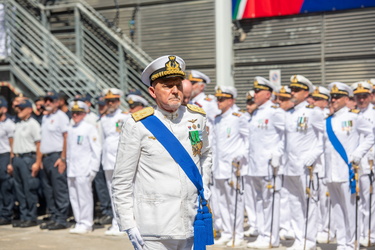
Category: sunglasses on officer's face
[77,113]
[317,98]
[296,89]
[111,100]
[337,96]
[221,99]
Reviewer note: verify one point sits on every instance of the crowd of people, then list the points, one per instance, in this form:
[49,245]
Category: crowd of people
[296,164]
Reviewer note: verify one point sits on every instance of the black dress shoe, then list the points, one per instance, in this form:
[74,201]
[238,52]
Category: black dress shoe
[4,221]
[29,223]
[17,223]
[46,224]
[56,226]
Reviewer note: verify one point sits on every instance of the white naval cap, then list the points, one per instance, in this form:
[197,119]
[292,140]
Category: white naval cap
[361,87]
[136,98]
[263,84]
[112,93]
[78,106]
[197,76]
[163,67]
[340,88]
[225,91]
[301,82]
[284,91]
[372,82]
[250,95]
[321,92]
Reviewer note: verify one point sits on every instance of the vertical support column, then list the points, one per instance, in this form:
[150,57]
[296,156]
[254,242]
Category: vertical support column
[224,42]
[78,32]
[322,51]
[123,70]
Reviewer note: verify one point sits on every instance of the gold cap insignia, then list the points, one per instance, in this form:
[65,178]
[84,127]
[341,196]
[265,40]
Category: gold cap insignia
[220,93]
[282,90]
[77,108]
[360,89]
[294,79]
[172,68]
[130,101]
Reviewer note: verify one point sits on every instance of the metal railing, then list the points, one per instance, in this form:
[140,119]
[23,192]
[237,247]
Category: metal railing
[41,61]
[106,51]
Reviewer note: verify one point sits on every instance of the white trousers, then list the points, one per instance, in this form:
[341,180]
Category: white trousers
[343,211]
[285,215]
[265,198]
[108,177]
[364,187]
[214,204]
[227,203]
[249,203]
[325,215]
[82,201]
[296,186]
[169,244]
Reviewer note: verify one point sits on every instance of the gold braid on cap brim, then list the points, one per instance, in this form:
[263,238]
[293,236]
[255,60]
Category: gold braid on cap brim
[283,94]
[299,85]
[361,90]
[336,90]
[222,94]
[319,95]
[76,108]
[194,79]
[172,68]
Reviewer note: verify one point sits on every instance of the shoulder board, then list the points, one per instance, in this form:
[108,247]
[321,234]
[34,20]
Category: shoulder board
[143,113]
[195,109]
[208,98]
[236,114]
[243,110]
[373,107]
[125,112]
[356,111]
[310,106]
[275,106]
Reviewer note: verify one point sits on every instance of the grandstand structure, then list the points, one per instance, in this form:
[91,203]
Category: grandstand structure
[84,46]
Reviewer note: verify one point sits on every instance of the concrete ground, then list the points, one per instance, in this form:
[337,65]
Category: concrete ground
[34,238]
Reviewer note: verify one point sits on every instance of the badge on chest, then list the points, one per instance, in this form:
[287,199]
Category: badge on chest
[195,137]
[347,126]
[119,124]
[302,123]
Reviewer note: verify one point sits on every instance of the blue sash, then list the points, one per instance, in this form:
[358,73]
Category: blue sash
[340,149]
[203,232]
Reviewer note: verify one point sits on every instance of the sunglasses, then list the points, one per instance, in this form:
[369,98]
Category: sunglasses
[112,100]
[77,113]
[296,89]
[317,98]
[221,99]
[337,96]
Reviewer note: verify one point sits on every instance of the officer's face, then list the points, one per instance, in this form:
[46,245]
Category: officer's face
[24,113]
[51,105]
[224,103]
[261,96]
[363,100]
[298,95]
[338,102]
[284,102]
[167,93]
[78,116]
[198,88]
[112,104]
[321,103]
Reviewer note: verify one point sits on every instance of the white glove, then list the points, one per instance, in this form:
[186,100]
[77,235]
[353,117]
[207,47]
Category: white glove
[92,175]
[275,161]
[309,161]
[135,238]
[355,159]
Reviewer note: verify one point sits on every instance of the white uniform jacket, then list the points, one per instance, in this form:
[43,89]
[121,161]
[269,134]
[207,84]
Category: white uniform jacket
[320,162]
[208,103]
[348,127]
[267,134]
[368,114]
[230,143]
[83,150]
[6,131]
[150,190]
[111,125]
[304,137]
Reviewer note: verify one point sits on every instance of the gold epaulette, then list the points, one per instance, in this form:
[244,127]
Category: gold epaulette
[195,108]
[243,110]
[143,113]
[125,112]
[373,107]
[236,114]
[356,111]
[275,106]
[310,106]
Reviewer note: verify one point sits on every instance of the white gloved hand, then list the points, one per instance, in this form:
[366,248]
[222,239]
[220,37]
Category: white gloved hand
[135,238]
[275,161]
[355,159]
[92,175]
[309,161]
